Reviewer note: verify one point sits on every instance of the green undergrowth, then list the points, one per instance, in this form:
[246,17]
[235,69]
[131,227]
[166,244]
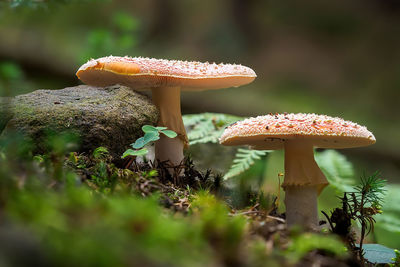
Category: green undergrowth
[78,209]
[72,209]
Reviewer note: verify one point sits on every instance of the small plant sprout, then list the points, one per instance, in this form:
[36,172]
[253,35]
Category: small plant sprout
[166,79]
[152,134]
[298,134]
[360,205]
[100,153]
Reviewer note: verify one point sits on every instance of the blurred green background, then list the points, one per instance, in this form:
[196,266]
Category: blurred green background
[340,58]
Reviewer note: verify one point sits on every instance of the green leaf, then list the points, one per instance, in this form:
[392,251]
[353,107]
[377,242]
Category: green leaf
[149,128]
[378,254]
[243,160]
[139,143]
[131,152]
[390,217]
[388,221]
[337,169]
[160,128]
[169,133]
[392,199]
[150,137]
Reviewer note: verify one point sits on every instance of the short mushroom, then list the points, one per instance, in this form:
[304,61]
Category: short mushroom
[298,134]
[166,79]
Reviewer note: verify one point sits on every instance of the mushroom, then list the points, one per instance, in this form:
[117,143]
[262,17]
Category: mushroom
[298,134]
[166,79]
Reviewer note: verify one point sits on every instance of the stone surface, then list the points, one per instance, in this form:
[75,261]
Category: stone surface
[110,116]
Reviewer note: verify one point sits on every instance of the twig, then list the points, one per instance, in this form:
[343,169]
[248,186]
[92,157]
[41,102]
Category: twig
[276,218]
[245,213]
[258,211]
[329,220]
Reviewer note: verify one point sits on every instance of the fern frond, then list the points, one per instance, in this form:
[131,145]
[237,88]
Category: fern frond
[206,127]
[201,129]
[211,138]
[243,160]
[337,169]
[192,119]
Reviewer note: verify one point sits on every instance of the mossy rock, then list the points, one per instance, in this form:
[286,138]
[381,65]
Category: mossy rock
[111,117]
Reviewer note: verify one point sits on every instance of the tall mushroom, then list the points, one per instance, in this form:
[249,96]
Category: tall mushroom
[297,134]
[166,79]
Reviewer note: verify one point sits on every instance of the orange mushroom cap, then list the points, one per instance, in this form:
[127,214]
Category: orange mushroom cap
[270,131]
[141,73]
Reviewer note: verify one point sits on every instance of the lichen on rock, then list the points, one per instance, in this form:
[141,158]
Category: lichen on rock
[111,117]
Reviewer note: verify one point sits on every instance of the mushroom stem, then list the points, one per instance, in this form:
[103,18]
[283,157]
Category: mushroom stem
[169,149]
[168,102]
[303,183]
[301,206]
